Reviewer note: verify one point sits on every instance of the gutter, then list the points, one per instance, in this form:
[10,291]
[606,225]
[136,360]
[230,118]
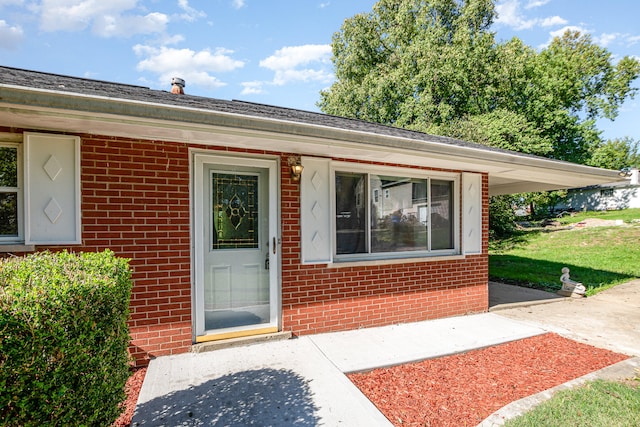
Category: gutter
[128,109]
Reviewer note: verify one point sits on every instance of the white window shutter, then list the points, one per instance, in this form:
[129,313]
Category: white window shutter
[472,213]
[315,211]
[52,189]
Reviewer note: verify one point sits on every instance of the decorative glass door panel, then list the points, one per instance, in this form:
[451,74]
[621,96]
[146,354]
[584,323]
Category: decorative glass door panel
[235,211]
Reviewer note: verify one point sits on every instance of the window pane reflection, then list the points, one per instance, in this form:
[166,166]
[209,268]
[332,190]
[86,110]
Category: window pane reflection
[8,167]
[8,214]
[441,214]
[350,213]
[387,214]
[398,214]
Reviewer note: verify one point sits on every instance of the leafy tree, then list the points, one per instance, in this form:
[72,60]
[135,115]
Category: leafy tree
[499,128]
[542,204]
[577,83]
[501,216]
[435,66]
[616,154]
[412,63]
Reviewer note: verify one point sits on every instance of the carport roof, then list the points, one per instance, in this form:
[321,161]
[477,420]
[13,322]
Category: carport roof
[37,100]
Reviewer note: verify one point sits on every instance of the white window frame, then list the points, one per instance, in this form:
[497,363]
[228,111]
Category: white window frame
[19,191]
[337,167]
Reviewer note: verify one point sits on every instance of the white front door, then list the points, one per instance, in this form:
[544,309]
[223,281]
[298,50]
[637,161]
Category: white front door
[235,238]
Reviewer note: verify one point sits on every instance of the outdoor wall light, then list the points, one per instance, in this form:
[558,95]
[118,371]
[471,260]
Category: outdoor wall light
[625,172]
[296,168]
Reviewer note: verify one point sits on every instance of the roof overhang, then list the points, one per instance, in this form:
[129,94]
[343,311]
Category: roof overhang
[509,172]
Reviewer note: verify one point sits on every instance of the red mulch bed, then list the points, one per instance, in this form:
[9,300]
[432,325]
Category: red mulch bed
[134,384]
[464,389]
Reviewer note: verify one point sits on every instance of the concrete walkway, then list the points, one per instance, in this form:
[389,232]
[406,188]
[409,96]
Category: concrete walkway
[610,319]
[503,296]
[301,381]
[278,383]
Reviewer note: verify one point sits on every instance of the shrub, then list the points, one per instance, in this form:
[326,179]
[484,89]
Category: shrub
[501,217]
[63,338]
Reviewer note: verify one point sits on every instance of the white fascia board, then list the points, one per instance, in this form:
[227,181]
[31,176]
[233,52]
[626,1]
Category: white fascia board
[312,139]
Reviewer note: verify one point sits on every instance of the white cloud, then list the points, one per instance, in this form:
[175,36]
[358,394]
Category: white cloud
[106,18]
[323,5]
[164,58]
[536,3]
[510,15]
[253,88]
[10,36]
[190,14]
[238,4]
[631,40]
[75,15]
[553,21]
[291,64]
[605,39]
[561,31]
[283,77]
[293,56]
[285,63]
[166,39]
[125,26]
[194,67]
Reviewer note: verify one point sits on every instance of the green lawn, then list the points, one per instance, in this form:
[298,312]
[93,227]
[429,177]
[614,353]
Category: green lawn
[599,257]
[599,403]
[626,215]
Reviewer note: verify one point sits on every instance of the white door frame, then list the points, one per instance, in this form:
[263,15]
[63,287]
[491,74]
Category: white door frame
[199,160]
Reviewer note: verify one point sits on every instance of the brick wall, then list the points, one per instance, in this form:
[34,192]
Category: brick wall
[135,201]
[323,298]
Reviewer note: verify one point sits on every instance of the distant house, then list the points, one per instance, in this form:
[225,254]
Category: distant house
[609,196]
[245,219]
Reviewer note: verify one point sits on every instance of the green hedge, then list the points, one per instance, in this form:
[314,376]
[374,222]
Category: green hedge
[63,338]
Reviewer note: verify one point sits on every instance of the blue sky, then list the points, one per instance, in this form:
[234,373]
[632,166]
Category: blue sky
[269,51]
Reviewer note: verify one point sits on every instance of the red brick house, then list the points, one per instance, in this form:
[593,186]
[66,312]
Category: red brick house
[382,225]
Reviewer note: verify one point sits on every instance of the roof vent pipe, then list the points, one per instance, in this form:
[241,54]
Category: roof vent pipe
[177,85]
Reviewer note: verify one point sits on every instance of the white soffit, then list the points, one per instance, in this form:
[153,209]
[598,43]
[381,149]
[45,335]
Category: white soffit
[508,172]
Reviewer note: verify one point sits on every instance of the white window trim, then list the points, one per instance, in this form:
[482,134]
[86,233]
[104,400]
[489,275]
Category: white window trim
[400,172]
[12,240]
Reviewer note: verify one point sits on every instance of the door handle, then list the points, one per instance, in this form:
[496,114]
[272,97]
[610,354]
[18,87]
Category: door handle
[274,245]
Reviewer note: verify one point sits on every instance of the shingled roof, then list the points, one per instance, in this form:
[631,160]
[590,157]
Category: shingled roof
[98,88]
[53,102]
